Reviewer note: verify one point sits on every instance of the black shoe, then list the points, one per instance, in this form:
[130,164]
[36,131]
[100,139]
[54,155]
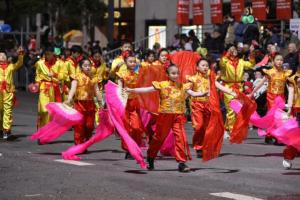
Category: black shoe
[269,140]
[128,156]
[199,153]
[6,135]
[150,163]
[182,167]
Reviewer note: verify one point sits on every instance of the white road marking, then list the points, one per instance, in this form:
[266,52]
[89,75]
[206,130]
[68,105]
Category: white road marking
[234,196]
[32,195]
[74,162]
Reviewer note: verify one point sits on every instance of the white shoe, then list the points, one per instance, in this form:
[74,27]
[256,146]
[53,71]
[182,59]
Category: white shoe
[226,135]
[287,164]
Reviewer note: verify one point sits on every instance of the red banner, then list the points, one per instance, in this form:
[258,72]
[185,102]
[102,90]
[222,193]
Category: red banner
[237,9]
[216,11]
[259,9]
[283,9]
[198,12]
[183,8]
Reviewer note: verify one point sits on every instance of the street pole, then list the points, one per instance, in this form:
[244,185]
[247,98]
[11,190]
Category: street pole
[110,21]
[38,30]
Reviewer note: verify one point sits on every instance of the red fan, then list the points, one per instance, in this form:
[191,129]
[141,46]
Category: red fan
[63,118]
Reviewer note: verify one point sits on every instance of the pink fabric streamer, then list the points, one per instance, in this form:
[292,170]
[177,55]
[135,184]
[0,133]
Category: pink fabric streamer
[116,108]
[62,120]
[235,105]
[168,147]
[272,120]
[104,130]
[288,133]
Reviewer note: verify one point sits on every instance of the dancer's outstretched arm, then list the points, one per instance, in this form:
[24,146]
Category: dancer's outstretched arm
[72,92]
[225,89]
[140,90]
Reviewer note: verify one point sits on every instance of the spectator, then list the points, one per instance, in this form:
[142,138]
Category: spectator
[292,58]
[194,40]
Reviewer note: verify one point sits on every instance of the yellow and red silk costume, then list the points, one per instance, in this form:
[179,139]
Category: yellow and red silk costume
[84,103]
[116,62]
[232,73]
[206,116]
[99,71]
[200,108]
[291,152]
[277,82]
[7,90]
[171,116]
[70,69]
[133,122]
[49,87]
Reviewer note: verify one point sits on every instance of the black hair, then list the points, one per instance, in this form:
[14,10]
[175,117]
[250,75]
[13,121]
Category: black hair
[76,49]
[126,42]
[96,50]
[49,48]
[203,59]
[171,65]
[149,52]
[161,50]
[82,61]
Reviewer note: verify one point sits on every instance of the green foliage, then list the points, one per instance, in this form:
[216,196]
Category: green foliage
[70,12]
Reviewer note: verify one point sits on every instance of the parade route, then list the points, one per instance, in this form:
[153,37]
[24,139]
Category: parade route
[251,170]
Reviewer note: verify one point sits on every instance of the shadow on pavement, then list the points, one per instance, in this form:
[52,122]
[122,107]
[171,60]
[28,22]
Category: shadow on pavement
[248,155]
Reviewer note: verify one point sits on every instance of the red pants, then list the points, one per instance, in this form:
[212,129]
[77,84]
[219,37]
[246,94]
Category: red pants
[271,97]
[200,120]
[133,123]
[165,122]
[289,153]
[84,131]
[295,110]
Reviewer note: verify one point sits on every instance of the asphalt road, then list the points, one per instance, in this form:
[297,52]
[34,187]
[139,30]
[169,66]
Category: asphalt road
[31,171]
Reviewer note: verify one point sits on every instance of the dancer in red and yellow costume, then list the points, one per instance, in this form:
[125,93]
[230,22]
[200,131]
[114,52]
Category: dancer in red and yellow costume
[232,73]
[70,68]
[100,71]
[149,59]
[7,91]
[206,114]
[171,116]
[277,78]
[49,74]
[289,153]
[128,78]
[118,63]
[84,87]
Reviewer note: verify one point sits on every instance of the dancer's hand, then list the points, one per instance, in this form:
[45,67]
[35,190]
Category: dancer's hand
[68,103]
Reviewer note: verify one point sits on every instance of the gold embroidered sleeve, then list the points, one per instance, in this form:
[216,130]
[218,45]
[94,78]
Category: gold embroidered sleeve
[156,85]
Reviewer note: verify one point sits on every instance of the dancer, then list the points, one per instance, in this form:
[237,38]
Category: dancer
[171,116]
[100,71]
[49,73]
[70,68]
[118,63]
[277,78]
[207,118]
[84,87]
[232,73]
[290,152]
[128,78]
[7,91]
